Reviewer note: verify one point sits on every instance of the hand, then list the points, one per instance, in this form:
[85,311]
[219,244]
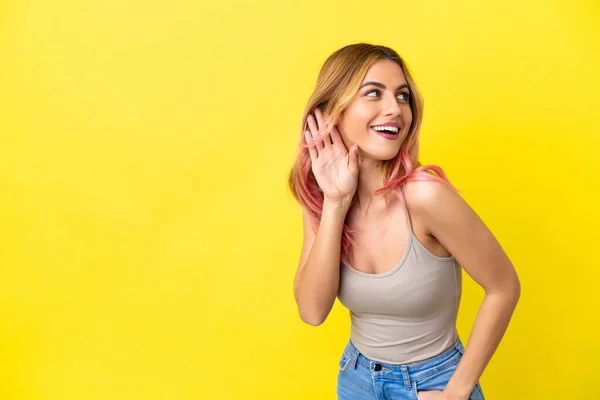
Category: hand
[430,395]
[335,169]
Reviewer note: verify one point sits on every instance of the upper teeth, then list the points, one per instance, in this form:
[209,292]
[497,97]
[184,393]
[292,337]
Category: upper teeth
[386,128]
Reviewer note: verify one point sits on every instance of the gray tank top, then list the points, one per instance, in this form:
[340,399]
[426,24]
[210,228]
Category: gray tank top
[407,314]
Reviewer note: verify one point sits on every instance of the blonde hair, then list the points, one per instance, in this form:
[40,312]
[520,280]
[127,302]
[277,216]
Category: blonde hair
[337,84]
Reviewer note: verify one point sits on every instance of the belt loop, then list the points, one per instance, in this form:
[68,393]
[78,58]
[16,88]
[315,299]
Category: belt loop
[353,358]
[406,377]
[459,346]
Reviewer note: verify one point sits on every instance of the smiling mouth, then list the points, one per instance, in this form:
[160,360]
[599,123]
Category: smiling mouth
[387,134]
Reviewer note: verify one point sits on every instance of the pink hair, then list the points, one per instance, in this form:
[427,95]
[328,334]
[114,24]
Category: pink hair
[338,81]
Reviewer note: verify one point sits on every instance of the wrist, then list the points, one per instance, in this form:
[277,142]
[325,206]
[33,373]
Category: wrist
[338,206]
[451,395]
[447,396]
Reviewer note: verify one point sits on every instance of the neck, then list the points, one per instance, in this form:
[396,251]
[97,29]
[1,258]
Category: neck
[369,172]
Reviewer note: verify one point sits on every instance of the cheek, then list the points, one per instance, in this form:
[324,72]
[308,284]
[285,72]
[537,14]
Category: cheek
[363,116]
[356,120]
[407,115]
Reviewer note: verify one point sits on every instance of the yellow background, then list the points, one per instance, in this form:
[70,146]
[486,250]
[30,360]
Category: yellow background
[148,242]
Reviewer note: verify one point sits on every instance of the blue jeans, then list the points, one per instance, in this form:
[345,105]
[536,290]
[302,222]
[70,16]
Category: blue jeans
[360,378]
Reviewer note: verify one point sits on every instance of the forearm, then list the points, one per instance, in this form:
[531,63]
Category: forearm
[317,281]
[490,325]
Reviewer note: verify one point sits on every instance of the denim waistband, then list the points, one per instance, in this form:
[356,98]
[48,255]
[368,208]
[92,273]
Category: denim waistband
[407,372]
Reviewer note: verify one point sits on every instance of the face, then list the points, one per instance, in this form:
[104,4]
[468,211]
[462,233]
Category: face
[383,98]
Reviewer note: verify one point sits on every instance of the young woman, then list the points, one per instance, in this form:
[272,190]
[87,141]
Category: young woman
[389,237]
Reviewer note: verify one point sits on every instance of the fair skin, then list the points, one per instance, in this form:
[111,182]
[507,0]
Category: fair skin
[442,221]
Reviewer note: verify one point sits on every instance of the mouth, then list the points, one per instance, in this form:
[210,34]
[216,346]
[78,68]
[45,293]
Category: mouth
[387,133]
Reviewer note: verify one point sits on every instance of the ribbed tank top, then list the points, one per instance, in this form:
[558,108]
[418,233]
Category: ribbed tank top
[407,314]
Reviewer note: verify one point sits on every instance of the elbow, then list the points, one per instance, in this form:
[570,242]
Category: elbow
[313,322]
[309,312]
[515,290]
[510,293]
[311,318]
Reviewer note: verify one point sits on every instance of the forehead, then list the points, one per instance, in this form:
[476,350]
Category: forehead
[387,72]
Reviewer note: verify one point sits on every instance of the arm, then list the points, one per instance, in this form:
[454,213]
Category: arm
[317,278]
[336,171]
[460,230]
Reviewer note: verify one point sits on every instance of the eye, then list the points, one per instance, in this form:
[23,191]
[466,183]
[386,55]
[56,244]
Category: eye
[405,98]
[407,95]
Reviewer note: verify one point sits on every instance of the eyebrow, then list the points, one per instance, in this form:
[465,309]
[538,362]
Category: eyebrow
[381,85]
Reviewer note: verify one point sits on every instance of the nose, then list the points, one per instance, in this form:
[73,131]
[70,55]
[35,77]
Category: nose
[392,108]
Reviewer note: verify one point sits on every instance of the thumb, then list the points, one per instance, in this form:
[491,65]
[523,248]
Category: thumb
[353,158]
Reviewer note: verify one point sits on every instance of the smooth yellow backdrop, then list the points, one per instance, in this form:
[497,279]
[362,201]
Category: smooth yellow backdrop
[148,242]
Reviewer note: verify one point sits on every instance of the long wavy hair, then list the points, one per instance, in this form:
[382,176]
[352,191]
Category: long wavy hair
[338,83]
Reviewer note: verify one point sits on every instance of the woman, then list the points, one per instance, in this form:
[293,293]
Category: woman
[389,238]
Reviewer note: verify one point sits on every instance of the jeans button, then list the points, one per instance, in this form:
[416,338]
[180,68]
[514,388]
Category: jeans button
[377,367]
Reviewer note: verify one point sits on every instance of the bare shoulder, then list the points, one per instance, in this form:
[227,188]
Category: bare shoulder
[425,197]
[421,196]
[458,228]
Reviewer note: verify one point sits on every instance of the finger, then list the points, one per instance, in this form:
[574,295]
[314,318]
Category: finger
[336,139]
[320,120]
[353,160]
[323,128]
[311,149]
[314,131]
[327,138]
[322,136]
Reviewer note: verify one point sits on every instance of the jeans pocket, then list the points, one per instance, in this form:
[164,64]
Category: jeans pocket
[477,393]
[436,380]
[345,359]
[460,347]
[344,362]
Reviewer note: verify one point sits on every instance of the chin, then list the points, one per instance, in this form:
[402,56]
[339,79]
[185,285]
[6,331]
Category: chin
[381,155]
[388,158]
